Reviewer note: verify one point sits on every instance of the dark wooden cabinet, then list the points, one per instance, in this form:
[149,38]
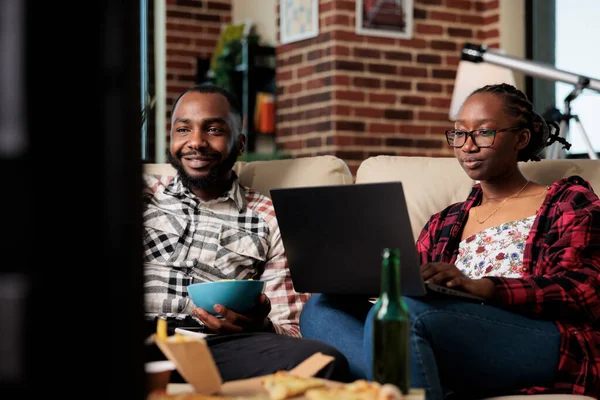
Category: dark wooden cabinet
[257,74]
[254,73]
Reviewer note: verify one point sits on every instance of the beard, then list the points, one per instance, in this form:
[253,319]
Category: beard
[214,175]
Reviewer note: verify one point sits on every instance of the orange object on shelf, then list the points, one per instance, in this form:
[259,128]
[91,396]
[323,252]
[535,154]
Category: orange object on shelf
[267,115]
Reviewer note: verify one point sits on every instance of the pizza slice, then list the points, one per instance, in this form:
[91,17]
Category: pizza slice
[357,390]
[283,385]
[163,395]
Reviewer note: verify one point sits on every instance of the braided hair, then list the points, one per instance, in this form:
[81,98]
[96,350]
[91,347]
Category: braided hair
[518,105]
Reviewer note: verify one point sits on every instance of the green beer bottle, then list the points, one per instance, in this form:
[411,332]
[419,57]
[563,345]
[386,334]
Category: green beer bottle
[391,327]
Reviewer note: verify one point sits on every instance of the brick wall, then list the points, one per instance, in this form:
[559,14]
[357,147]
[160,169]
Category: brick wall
[356,96]
[193,27]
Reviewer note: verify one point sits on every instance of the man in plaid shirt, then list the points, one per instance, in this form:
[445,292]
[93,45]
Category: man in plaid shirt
[203,226]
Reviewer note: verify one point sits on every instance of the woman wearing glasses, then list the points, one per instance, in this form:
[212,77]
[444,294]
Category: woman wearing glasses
[533,251]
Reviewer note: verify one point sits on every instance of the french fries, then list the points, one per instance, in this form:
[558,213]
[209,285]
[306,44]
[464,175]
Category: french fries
[161,333]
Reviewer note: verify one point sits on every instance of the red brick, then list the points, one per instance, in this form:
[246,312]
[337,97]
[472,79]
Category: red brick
[452,60]
[371,83]
[429,2]
[182,53]
[314,142]
[295,59]
[173,27]
[367,141]
[429,87]
[313,98]
[376,127]
[491,19]
[354,126]
[305,71]
[284,76]
[367,53]
[492,33]
[444,73]
[340,140]
[375,40]
[314,83]
[337,19]
[413,43]
[443,45]
[440,102]
[398,114]
[429,29]
[459,4]
[314,54]
[398,85]
[324,6]
[293,145]
[460,32]
[412,129]
[345,36]
[344,65]
[324,66]
[368,112]
[398,56]
[347,5]
[433,116]
[349,95]
[419,13]
[443,16]
[383,69]
[216,6]
[429,59]
[413,100]
[283,104]
[413,71]
[339,50]
[341,110]
[178,40]
[472,19]
[319,112]
[342,80]
[382,98]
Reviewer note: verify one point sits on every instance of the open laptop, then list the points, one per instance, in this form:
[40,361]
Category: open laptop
[334,237]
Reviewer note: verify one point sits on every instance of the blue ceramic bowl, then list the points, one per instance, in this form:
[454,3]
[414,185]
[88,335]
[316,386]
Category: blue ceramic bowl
[238,296]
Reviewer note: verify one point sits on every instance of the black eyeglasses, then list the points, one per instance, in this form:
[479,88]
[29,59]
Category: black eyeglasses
[481,137]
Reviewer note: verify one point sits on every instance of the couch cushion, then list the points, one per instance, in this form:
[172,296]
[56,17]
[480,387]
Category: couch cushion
[434,183]
[264,175]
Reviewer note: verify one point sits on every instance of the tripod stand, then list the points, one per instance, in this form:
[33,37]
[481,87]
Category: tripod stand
[555,150]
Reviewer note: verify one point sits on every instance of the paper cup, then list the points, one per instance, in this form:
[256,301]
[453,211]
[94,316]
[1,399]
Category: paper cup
[158,374]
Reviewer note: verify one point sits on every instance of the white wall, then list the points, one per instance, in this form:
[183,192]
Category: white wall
[512,33]
[263,14]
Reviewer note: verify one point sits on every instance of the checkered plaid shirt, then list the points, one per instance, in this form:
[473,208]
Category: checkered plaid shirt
[187,240]
[562,279]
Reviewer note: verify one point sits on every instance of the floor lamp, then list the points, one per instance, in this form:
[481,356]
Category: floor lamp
[481,54]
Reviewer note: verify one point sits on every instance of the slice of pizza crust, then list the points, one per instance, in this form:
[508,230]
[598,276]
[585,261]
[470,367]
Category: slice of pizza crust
[163,395]
[357,390]
[282,385]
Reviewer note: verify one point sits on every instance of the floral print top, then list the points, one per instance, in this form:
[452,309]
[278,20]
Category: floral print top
[496,251]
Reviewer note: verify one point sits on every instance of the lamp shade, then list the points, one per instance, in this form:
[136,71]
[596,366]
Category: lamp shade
[471,76]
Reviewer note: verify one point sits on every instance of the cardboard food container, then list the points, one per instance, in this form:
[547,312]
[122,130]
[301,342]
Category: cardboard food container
[195,364]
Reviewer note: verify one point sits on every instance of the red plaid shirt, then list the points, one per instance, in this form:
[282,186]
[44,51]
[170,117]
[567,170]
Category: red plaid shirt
[561,282]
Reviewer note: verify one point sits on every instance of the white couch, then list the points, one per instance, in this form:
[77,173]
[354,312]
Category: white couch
[430,184]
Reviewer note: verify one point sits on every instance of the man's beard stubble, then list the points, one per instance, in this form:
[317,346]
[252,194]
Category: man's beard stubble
[213,177]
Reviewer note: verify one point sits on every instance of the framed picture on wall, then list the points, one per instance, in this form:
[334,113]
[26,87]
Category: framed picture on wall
[386,18]
[298,20]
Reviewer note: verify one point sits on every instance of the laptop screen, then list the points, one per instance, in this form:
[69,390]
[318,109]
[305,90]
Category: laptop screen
[334,237]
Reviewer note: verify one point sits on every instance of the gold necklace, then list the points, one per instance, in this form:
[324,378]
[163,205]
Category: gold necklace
[501,204]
